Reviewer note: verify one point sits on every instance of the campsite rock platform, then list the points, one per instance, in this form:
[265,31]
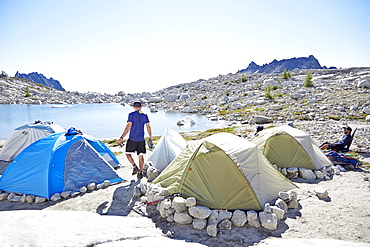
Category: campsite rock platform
[112,217]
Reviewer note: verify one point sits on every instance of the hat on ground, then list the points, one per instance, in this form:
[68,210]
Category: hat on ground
[137,104]
[259,128]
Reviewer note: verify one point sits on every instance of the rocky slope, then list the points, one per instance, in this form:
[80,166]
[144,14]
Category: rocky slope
[336,94]
[22,91]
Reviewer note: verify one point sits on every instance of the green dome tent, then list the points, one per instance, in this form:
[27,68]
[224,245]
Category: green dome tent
[290,147]
[224,171]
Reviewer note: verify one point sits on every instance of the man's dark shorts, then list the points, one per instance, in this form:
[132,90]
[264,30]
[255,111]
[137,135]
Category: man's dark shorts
[138,147]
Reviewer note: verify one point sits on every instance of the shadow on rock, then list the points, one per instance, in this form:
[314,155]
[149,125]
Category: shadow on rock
[122,201]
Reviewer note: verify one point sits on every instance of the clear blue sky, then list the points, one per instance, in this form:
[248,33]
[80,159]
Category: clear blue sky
[141,45]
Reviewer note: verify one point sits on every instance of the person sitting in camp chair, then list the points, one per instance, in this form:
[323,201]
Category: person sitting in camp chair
[341,144]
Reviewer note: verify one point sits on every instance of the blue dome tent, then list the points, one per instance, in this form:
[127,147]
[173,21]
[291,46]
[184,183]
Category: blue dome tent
[60,162]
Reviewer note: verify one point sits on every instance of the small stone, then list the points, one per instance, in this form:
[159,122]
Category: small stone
[55,197]
[199,224]
[293,194]
[76,193]
[16,199]
[91,186]
[152,173]
[284,196]
[83,189]
[136,192]
[24,198]
[284,171]
[99,186]
[10,196]
[281,204]
[321,192]
[190,202]
[144,188]
[213,218]
[30,198]
[267,208]
[163,192]
[319,174]
[268,220]
[183,218]
[252,218]
[278,212]
[293,203]
[4,196]
[65,194]
[292,172]
[199,212]
[178,204]
[224,215]
[212,230]
[225,225]
[39,199]
[106,183]
[239,218]
[170,218]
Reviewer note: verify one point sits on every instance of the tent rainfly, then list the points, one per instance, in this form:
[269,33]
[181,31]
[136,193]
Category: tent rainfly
[224,171]
[287,147]
[169,146]
[57,163]
[26,134]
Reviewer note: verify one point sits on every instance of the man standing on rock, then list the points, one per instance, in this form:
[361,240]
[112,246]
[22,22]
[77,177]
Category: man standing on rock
[339,144]
[136,141]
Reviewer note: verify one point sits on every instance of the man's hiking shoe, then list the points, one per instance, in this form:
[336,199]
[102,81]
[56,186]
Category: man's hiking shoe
[135,170]
[140,175]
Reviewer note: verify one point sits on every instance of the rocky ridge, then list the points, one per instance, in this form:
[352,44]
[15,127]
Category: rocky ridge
[275,66]
[40,78]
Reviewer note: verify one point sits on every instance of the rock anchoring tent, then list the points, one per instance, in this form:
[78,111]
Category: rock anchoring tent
[287,147]
[58,163]
[224,171]
[169,146]
[26,134]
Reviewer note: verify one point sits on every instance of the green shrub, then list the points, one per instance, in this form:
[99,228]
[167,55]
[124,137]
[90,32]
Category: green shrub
[308,81]
[27,92]
[286,74]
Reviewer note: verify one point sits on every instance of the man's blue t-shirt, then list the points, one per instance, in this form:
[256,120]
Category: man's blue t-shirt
[138,120]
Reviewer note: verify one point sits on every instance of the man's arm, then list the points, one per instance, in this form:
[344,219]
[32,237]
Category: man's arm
[149,129]
[345,140]
[127,129]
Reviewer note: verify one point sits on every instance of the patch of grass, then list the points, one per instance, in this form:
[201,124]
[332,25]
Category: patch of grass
[356,117]
[215,131]
[117,153]
[223,112]
[335,118]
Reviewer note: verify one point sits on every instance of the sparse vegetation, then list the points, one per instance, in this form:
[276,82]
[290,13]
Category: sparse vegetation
[27,92]
[308,81]
[286,74]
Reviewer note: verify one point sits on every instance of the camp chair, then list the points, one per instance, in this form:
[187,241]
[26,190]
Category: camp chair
[346,148]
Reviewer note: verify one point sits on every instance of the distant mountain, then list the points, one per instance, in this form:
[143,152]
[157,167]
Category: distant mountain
[275,66]
[40,78]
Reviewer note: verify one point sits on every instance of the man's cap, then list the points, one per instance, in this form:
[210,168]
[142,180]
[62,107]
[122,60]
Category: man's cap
[347,128]
[137,104]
